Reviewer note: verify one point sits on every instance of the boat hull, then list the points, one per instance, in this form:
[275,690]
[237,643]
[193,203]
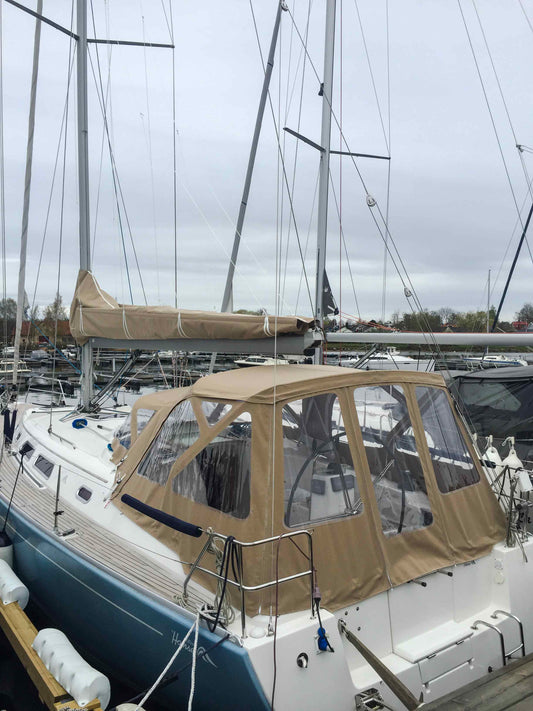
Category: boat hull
[130,633]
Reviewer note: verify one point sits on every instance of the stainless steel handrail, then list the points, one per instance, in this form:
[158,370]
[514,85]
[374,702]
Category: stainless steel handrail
[500,633]
[522,644]
[243,589]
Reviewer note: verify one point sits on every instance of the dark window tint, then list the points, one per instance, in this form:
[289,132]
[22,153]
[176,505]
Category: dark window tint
[84,494]
[219,476]
[453,465]
[44,466]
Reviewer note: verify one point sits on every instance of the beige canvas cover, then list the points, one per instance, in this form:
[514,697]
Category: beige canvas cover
[96,314]
[354,560]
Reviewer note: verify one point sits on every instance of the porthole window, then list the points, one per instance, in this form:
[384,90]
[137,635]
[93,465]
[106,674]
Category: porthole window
[44,466]
[84,494]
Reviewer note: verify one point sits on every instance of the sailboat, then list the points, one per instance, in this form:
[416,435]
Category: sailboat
[303,536]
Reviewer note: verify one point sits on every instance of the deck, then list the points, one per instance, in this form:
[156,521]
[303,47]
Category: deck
[508,689]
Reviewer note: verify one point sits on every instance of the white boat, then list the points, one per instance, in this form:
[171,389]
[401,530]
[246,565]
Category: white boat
[260,360]
[287,537]
[496,360]
[389,358]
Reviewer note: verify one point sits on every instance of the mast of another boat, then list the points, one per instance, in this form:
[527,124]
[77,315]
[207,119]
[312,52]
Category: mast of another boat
[83,179]
[323,186]
[27,187]
[488,310]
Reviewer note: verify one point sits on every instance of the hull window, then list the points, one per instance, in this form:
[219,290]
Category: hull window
[320,482]
[452,463]
[393,459]
[44,466]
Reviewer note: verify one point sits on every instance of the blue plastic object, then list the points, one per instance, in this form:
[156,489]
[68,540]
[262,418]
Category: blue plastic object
[322,640]
[109,446]
[79,423]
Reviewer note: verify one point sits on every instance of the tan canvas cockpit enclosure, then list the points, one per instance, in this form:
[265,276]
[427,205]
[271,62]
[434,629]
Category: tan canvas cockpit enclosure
[376,464]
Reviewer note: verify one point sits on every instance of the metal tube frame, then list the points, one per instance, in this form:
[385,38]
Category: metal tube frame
[243,589]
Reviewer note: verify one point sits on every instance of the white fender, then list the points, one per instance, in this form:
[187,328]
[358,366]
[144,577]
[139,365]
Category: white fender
[11,588]
[83,682]
[492,455]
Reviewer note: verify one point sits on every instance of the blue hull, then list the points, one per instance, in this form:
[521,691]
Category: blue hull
[134,635]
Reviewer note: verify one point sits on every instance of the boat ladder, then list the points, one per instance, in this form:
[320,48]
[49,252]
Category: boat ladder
[494,616]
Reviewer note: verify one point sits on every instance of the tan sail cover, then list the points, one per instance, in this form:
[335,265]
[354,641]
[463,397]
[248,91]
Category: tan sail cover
[353,559]
[96,314]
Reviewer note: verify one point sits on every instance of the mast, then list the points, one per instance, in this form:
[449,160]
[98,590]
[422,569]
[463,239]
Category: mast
[83,179]
[323,189]
[227,299]
[27,187]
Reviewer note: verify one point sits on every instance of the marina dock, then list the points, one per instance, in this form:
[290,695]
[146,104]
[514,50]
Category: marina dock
[508,689]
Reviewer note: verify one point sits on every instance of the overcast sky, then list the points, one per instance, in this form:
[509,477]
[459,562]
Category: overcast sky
[451,210]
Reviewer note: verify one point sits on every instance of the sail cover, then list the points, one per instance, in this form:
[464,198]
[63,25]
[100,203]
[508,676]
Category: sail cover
[96,314]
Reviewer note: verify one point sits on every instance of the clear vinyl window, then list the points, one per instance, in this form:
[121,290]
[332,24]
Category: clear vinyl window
[320,481]
[214,411]
[123,434]
[452,463]
[144,415]
[393,459]
[219,476]
[178,432]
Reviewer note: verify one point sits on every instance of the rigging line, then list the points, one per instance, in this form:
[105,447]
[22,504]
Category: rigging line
[501,92]
[339,205]
[285,178]
[371,72]
[117,187]
[52,186]
[525,15]
[279,191]
[220,244]
[174,156]
[168,22]
[2,179]
[231,222]
[309,226]
[99,93]
[151,158]
[387,207]
[102,143]
[493,122]
[404,277]
[114,171]
[502,96]
[517,222]
[297,146]
[497,78]
[57,300]
[333,114]
[297,70]
[343,237]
